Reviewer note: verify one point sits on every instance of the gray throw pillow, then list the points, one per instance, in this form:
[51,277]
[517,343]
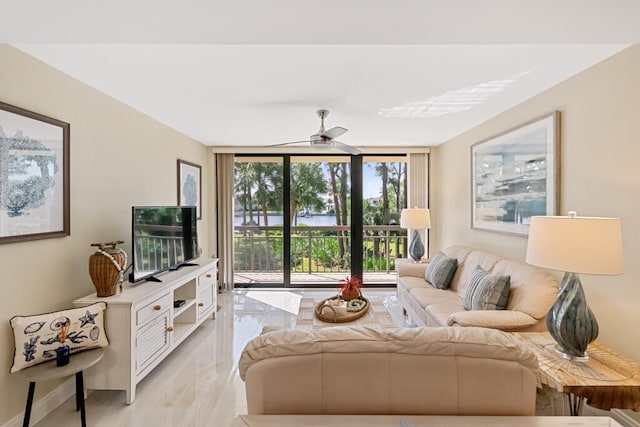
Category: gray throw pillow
[440,271]
[487,291]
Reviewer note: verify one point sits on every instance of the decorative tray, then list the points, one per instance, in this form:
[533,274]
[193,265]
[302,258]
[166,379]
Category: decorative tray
[330,313]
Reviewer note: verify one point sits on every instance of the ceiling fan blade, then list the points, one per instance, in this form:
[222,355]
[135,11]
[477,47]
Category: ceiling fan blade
[288,143]
[344,147]
[334,132]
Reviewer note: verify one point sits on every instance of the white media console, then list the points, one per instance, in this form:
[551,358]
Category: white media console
[143,326]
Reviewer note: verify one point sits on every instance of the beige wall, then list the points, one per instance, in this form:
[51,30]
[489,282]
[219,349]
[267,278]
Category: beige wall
[119,158]
[600,176]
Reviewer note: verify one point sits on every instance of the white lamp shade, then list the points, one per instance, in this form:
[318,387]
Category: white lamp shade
[415,218]
[587,245]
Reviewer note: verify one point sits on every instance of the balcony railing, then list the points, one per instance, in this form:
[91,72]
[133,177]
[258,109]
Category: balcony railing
[317,249]
[158,247]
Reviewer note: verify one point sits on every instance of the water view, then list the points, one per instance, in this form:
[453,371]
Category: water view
[313,220]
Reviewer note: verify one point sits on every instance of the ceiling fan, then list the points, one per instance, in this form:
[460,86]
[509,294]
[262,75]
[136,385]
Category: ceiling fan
[325,139]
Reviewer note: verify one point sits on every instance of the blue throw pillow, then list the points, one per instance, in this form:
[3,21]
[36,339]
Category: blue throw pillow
[440,271]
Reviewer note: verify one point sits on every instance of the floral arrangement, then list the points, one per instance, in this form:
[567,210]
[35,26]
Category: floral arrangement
[351,289]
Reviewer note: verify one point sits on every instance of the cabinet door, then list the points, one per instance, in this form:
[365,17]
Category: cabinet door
[206,292]
[205,299]
[152,340]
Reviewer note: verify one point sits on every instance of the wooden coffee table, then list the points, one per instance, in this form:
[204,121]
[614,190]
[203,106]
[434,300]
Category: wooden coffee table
[607,380]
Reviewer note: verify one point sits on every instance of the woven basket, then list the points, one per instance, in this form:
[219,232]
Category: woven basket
[104,274]
[333,315]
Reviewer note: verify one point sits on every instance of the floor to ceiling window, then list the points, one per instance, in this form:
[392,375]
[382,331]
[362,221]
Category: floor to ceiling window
[259,221]
[384,195]
[305,220]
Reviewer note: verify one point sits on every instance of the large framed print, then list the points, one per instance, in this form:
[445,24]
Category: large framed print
[515,175]
[34,175]
[190,185]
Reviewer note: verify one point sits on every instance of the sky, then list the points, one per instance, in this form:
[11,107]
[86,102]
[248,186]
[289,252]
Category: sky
[372,184]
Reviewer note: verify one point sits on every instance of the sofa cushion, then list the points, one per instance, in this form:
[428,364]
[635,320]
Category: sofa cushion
[442,301]
[411,269]
[486,291]
[428,295]
[466,269]
[440,313]
[506,320]
[440,271]
[410,282]
[534,300]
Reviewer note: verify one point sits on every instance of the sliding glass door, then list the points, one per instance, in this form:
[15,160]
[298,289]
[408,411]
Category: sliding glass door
[384,195]
[320,237]
[259,221]
[305,221]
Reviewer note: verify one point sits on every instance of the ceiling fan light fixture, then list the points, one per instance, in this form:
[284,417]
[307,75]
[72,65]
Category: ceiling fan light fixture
[321,144]
[326,139]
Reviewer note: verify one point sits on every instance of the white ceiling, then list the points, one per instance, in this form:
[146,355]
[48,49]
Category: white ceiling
[253,72]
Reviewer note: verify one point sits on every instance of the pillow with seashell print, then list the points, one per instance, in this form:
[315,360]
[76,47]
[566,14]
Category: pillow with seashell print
[37,336]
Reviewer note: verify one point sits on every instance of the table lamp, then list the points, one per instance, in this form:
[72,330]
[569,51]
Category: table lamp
[574,244]
[415,219]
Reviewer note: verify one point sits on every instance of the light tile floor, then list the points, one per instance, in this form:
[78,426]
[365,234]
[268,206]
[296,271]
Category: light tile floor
[198,384]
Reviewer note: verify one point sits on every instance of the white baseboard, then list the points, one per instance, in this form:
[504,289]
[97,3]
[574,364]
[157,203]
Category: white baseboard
[47,404]
[625,418]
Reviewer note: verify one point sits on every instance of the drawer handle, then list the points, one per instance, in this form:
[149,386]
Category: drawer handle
[208,276]
[157,307]
[201,304]
[169,329]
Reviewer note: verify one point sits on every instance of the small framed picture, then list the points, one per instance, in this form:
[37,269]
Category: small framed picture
[190,185]
[34,176]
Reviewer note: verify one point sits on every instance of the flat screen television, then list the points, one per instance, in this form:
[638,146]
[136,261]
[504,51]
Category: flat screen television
[163,238]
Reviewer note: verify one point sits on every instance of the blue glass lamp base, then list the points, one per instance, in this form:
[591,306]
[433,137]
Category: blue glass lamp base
[416,248]
[570,321]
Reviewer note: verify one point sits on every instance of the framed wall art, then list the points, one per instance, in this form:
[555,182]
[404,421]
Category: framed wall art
[515,176]
[34,175]
[190,185]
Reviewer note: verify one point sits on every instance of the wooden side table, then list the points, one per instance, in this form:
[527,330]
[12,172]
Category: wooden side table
[78,362]
[605,381]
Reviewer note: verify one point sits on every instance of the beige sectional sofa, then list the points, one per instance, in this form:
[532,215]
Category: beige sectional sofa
[532,293]
[362,370]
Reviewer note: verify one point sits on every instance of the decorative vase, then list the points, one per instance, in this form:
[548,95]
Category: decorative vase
[104,273]
[570,321]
